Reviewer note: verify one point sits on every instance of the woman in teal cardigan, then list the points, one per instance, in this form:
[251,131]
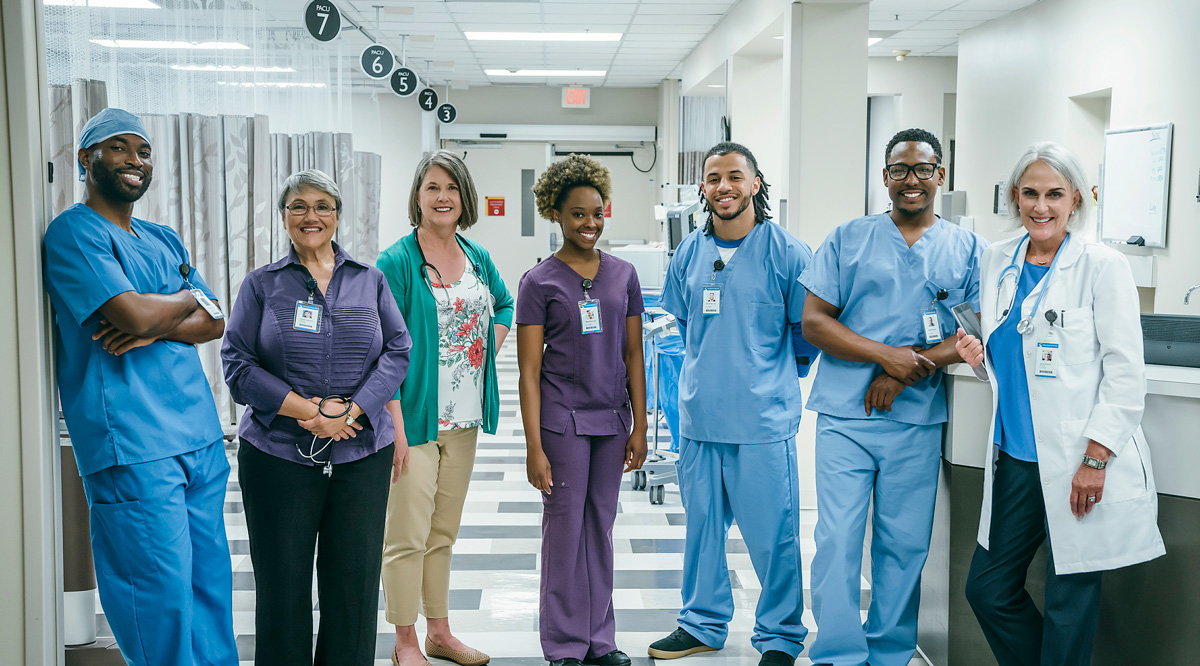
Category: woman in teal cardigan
[458,313]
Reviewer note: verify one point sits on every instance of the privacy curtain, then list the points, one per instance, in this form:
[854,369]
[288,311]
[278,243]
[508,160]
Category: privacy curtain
[216,182]
[701,126]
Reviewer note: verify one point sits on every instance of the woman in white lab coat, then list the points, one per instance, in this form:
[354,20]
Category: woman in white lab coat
[1063,346]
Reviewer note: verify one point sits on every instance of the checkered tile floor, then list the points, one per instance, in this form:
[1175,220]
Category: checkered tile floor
[494,580]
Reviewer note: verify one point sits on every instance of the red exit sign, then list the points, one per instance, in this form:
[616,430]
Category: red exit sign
[576,98]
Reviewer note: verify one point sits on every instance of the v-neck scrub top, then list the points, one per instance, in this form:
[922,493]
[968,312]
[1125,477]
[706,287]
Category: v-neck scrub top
[866,269]
[151,402]
[584,384]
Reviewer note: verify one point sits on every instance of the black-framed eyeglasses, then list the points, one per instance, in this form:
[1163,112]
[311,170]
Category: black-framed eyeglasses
[299,209]
[924,170]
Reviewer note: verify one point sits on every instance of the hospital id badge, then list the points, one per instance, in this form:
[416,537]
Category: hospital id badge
[1047,360]
[308,317]
[206,303]
[589,316]
[933,327]
[712,300]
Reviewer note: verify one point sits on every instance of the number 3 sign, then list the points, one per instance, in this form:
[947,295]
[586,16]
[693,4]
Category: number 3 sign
[323,20]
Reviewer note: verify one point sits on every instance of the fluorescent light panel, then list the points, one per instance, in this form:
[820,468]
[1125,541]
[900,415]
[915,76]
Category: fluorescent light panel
[156,44]
[544,36]
[546,72]
[270,84]
[872,41]
[108,4]
[232,68]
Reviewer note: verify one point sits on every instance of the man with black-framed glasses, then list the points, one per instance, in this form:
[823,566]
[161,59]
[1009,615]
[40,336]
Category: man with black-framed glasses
[880,289]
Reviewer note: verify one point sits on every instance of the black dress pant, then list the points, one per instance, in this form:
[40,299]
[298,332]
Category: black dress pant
[294,511]
[1018,634]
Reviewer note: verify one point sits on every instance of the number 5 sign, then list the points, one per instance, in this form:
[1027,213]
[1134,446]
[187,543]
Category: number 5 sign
[323,20]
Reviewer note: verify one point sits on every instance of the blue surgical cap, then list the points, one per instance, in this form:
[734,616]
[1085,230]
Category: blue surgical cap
[105,125]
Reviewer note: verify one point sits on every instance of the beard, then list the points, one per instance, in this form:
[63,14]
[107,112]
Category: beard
[712,206]
[113,187]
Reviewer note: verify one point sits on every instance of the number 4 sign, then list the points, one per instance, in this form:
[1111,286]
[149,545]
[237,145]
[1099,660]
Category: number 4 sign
[323,20]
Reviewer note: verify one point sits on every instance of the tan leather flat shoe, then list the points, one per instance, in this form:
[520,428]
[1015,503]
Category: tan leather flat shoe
[469,658]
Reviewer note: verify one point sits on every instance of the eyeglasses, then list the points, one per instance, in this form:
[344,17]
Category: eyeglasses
[300,209]
[924,171]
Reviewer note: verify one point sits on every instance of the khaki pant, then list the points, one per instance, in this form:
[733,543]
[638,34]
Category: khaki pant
[424,511]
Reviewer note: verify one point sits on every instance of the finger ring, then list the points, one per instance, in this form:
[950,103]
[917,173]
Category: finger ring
[1092,498]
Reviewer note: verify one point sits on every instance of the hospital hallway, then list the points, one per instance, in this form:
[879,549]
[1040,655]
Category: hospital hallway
[495,576]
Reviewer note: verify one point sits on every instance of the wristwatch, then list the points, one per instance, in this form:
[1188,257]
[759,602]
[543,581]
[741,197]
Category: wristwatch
[1094,463]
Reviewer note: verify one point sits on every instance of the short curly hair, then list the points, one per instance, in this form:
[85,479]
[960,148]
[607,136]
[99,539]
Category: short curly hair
[564,175]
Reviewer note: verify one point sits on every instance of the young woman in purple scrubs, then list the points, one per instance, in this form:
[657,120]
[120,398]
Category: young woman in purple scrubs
[579,350]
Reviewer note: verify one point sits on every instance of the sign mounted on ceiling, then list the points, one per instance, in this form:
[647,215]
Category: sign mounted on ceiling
[404,81]
[428,99]
[323,20]
[377,61]
[447,113]
[576,98]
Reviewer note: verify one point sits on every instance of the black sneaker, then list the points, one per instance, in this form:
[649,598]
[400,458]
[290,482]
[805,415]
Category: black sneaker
[776,658]
[679,644]
[614,658]
[569,661]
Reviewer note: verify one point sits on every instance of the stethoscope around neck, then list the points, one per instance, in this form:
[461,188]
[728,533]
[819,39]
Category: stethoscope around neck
[1013,270]
[426,267]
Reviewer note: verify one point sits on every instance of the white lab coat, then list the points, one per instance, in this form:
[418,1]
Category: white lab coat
[1099,394]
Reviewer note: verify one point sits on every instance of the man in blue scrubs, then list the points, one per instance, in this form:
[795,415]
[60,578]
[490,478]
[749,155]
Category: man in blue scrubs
[733,288]
[129,309]
[880,289]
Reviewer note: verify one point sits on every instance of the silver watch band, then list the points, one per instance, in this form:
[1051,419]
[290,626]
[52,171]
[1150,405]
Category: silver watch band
[1094,463]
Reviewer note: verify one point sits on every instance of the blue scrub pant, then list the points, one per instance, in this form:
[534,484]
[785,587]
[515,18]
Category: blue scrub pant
[896,464]
[758,486]
[162,560]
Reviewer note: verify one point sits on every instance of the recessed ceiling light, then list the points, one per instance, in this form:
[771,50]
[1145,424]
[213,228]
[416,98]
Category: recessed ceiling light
[154,44]
[546,72]
[872,41]
[716,85]
[270,84]
[544,36]
[232,68]
[778,37]
[110,4]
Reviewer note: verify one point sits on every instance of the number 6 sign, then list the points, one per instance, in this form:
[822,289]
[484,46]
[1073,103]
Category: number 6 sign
[323,20]
[377,61]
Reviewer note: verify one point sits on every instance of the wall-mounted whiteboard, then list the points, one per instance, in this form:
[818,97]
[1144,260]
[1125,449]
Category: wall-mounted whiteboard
[1134,184]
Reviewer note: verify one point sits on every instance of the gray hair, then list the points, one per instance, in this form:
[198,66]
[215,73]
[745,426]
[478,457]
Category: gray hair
[1067,164]
[309,179]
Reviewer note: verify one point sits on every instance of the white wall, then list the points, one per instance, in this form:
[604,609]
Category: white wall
[1016,76]
[542,105]
[884,121]
[755,103]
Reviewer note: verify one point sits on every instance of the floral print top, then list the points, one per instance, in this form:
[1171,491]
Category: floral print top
[463,311]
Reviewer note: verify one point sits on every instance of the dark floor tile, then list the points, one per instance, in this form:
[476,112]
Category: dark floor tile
[243,580]
[676,519]
[500,532]
[494,562]
[500,460]
[487,476]
[647,619]
[676,546]
[239,547]
[520,507]
[233,507]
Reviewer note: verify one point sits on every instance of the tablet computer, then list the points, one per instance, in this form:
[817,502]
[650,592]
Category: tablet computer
[964,314]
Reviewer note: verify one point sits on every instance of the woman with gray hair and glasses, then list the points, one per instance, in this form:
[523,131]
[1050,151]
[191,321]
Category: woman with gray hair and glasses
[315,348]
[459,312]
[1067,460]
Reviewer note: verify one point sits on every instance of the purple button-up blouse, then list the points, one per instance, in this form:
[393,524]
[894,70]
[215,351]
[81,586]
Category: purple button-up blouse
[361,351]
[584,385]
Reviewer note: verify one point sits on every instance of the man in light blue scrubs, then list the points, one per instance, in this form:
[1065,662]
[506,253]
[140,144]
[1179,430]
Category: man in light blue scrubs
[129,309]
[880,289]
[733,288]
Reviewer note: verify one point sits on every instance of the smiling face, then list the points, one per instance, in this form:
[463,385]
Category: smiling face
[120,167]
[910,195]
[730,184]
[1045,201]
[309,229]
[439,198]
[582,217]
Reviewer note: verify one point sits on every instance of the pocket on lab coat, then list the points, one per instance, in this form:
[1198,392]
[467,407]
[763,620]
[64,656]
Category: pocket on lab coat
[1124,478]
[1078,331]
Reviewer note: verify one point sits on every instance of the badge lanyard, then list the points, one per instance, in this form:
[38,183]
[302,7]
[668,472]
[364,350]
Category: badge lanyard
[711,305]
[204,301]
[589,311]
[1048,350]
[930,321]
[308,313]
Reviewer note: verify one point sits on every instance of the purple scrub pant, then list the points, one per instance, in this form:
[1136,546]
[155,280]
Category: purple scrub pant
[576,607]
